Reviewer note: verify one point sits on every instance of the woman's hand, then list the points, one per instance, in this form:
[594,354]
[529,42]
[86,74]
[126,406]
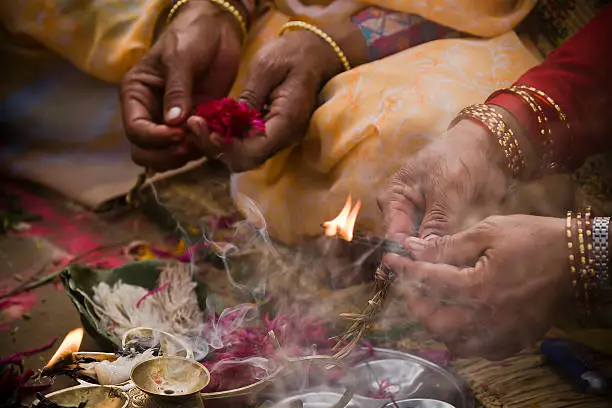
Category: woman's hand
[506,301]
[452,183]
[283,82]
[195,58]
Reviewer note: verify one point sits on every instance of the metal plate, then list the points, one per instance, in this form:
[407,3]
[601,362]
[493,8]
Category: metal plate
[411,378]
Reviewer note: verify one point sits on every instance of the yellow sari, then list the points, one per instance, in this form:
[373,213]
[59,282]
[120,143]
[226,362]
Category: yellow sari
[370,120]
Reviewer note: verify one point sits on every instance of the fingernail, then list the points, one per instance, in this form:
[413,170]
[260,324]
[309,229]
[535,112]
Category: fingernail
[173,113]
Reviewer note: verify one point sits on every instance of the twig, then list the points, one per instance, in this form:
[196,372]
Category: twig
[384,277]
[363,321]
[26,287]
[33,285]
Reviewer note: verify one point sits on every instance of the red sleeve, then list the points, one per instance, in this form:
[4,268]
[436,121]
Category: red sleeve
[578,77]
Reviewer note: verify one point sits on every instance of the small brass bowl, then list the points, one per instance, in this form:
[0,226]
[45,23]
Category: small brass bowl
[170,377]
[95,395]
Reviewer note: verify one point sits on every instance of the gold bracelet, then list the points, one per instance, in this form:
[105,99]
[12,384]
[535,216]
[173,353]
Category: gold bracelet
[322,34]
[494,121]
[223,3]
[588,231]
[174,9]
[571,257]
[584,271]
[562,116]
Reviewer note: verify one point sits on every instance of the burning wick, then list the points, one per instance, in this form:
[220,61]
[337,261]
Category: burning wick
[343,226]
[70,345]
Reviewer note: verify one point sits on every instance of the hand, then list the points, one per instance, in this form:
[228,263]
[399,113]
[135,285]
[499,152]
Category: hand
[283,81]
[285,76]
[449,185]
[506,301]
[195,58]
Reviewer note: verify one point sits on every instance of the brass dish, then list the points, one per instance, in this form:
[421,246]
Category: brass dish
[170,377]
[97,396]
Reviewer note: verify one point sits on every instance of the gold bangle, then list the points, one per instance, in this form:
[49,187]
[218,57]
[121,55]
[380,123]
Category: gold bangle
[588,231]
[322,34]
[494,122]
[584,271]
[223,3]
[571,257]
[562,116]
[174,9]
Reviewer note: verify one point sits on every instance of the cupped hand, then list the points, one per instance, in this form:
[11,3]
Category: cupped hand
[490,290]
[195,58]
[452,183]
[283,81]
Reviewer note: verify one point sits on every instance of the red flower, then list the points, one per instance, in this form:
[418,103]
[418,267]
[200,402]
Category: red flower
[230,119]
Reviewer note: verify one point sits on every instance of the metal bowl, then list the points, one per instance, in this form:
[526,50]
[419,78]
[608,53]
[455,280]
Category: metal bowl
[418,403]
[170,376]
[95,395]
[315,399]
[410,377]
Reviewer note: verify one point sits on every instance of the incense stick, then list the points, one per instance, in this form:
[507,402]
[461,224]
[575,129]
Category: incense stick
[386,245]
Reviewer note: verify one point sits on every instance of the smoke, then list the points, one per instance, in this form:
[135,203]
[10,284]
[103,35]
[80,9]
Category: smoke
[266,302]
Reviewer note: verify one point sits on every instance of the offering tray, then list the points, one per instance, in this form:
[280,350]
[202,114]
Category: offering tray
[413,381]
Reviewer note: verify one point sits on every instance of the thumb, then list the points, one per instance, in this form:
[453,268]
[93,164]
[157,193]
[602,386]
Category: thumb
[461,249]
[177,96]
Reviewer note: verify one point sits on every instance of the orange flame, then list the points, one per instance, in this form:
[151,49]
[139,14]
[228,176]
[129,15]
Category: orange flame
[344,224]
[70,345]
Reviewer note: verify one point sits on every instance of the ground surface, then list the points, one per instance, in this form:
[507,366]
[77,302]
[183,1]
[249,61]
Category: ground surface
[65,231]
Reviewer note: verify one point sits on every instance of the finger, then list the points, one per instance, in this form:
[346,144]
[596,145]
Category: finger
[262,78]
[485,343]
[202,138]
[441,216]
[286,122]
[443,323]
[401,205]
[440,281]
[463,248]
[178,90]
[166,159]
[138,103]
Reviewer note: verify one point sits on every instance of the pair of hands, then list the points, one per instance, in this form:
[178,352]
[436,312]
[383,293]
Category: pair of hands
[483,287]
[196,59]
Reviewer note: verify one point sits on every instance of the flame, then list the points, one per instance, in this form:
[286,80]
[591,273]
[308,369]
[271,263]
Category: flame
[344,224]
[70,345]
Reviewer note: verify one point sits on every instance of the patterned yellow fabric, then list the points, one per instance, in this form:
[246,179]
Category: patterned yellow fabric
[371,120]
[106,37]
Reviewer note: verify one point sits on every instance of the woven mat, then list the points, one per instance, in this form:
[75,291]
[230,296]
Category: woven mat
[521,381]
